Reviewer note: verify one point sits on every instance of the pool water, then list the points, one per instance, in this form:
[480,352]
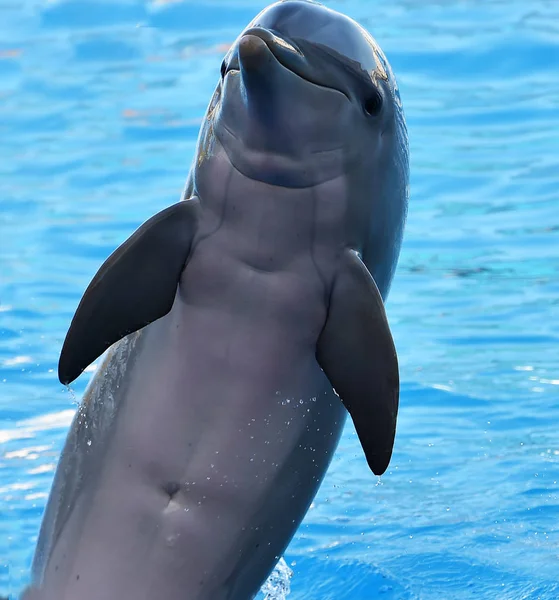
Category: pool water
[100,105]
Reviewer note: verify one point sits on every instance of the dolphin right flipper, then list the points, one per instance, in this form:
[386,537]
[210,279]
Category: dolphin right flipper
[357,354]
[135,286]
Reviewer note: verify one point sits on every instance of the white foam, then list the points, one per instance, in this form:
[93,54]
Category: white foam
[278,585]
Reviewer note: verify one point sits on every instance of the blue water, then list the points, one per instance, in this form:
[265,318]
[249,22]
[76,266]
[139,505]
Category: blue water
[100,106]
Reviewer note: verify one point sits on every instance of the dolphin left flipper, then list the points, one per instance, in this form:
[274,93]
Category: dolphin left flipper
[356,352]
[135,286]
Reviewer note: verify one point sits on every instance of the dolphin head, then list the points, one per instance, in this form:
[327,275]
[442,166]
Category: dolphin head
[307,96]
[305,93]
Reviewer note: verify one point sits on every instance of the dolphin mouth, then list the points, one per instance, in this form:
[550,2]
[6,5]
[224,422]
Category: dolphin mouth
[288,54]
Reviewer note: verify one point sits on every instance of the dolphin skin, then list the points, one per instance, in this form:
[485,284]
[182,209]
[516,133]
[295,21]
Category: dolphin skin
[242,325]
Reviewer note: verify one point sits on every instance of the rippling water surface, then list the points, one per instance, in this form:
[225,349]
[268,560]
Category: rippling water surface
[100,106]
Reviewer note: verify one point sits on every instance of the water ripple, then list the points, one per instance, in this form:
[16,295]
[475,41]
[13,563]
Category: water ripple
[99,111]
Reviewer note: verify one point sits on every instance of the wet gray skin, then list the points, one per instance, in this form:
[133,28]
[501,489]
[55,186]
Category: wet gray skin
[208,427]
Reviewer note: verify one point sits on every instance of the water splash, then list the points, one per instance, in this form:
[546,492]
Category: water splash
[278,585]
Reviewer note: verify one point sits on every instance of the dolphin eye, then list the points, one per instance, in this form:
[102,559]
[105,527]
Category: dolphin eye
[373,103]
[223,69]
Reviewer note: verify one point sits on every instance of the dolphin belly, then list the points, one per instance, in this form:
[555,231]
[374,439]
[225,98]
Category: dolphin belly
[216,433]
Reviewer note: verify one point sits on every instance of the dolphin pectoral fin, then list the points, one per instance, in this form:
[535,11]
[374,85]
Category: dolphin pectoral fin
[356,352]
[135,286]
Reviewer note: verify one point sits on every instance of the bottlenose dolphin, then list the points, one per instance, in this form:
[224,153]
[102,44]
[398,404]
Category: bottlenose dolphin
[242,323]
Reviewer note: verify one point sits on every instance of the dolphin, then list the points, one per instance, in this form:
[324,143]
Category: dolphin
[242,325]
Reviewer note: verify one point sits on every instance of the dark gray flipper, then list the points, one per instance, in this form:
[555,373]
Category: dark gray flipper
[135,286]
[357,354]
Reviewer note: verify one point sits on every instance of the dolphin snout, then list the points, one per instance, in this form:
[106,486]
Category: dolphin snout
[259,47]
[253,52]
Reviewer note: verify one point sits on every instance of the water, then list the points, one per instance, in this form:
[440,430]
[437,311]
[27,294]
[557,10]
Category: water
[99,111]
